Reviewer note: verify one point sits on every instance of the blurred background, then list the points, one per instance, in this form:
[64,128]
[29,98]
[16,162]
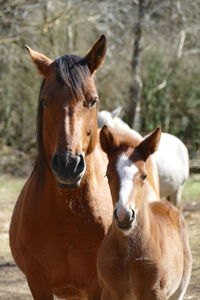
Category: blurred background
[152,70]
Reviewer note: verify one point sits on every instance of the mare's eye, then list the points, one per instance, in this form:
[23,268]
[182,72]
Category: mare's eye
[92,102]
[44,103]
[143,177]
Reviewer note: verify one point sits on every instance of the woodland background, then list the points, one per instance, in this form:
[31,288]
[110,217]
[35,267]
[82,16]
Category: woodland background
[153,47]
[152,70]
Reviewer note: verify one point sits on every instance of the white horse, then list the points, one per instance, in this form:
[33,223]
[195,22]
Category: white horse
[172,157]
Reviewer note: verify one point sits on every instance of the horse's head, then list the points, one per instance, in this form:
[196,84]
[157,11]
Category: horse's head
[127,171]
[68,121]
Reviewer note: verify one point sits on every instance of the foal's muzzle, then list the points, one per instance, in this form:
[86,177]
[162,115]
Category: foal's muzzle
[125,222]
[68,169]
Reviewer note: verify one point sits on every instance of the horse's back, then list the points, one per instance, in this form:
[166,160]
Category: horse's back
[173,166]
[173,159]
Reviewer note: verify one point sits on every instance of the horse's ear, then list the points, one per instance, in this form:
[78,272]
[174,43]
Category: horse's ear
[96,55]
[150,144]
[116,112]
[108,140]
[40,60]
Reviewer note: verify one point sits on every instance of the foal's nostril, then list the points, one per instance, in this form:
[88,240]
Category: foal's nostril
[115,214]
[132,215]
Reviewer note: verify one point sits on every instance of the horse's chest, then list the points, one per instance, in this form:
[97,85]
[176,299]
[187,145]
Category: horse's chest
[71,259]
[69,267]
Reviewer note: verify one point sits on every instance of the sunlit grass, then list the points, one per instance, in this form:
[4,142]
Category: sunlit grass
[191,192]
[10,187]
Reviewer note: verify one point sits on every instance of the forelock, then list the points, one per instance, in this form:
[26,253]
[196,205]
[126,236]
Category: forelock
[73,71]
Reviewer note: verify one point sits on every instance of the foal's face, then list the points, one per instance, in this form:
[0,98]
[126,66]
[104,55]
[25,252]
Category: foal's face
[69,115]
[127,172]
[126,180]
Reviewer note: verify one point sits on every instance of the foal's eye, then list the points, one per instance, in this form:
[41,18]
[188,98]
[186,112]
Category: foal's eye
[44,103]
[143,177]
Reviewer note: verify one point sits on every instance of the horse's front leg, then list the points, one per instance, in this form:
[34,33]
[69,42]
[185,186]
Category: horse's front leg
[38,282]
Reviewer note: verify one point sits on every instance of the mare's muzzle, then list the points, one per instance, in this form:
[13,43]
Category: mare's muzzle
[125,221]
[68,169]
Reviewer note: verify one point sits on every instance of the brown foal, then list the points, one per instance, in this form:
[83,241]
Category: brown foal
[146,253]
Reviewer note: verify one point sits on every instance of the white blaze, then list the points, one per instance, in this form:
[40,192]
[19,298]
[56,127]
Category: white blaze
[126,171]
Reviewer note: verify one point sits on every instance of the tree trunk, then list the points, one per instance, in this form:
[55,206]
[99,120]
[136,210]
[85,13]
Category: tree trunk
[135,90]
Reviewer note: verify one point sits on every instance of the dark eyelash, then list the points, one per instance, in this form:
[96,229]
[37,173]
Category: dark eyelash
[92,102]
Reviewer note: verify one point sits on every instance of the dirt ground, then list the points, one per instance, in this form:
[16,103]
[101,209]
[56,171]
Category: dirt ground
[12,282]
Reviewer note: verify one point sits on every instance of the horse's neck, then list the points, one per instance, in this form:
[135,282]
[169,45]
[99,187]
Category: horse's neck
[92,198]
[153,179]
[96,163]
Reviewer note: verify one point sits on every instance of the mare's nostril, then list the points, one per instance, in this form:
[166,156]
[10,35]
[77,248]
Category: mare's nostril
[80,164]
[55,162]
[65,165]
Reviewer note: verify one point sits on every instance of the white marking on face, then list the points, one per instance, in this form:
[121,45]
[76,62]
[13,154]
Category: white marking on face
[126,171]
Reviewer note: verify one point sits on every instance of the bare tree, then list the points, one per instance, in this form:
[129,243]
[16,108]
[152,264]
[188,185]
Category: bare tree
[135,90]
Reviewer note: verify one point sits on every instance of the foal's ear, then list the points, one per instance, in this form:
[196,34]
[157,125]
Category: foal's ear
[96,55]
[40,60]
[150,144]
[108,140]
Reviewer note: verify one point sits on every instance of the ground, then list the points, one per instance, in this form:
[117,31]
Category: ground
[12,282]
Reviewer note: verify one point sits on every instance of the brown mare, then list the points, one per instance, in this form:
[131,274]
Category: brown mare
[65,207]
[146,253]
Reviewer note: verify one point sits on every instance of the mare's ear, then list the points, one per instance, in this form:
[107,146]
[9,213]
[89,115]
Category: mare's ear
[96,55]
[40,60]
[150,144]
[108,141]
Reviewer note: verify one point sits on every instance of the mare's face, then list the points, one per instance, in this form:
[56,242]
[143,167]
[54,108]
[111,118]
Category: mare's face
[69,116]
[126,180]
[69,128]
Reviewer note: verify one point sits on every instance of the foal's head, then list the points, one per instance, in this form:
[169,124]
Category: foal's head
[68,114]
[127,172]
